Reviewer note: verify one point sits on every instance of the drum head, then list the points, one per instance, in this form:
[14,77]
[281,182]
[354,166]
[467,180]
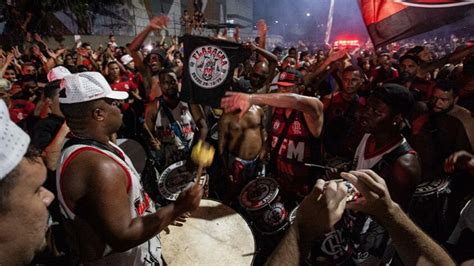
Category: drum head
[173,180]
[428,188]
[135,151]
[214,235]
[258,193]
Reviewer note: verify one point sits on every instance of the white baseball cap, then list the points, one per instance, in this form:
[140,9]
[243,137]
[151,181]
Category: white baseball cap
[13,142]
[87,86]
[58,72]
[126,59]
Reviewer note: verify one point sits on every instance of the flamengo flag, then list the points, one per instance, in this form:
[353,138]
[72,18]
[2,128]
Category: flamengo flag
[392,20]
[208,68]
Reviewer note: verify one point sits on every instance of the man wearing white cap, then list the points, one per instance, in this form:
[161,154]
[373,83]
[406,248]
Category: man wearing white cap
[113,219]
[57,73]
[23,199]
[127,62]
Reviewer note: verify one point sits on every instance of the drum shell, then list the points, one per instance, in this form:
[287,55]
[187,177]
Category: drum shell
[429,206]
[269,216]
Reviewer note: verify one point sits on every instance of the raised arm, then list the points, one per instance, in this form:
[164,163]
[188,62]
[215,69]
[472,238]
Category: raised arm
[52,152]
[6,63]
[199,118]
[156,23]
[318,69]
[223,142]
[310,106]
[453,58]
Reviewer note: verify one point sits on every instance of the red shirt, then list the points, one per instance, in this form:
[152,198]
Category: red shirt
[297,148]
[21,109]
[126,83]
[337,106]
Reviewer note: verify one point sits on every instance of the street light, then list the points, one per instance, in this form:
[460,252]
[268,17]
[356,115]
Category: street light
[276,21]
[308,14]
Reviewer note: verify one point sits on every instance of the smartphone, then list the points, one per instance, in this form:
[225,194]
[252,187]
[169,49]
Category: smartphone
[352,193]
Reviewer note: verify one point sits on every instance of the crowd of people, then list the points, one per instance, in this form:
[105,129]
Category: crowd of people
[192,24]
[396,122]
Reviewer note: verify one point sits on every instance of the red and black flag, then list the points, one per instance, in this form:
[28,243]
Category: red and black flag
[392,20]
[208,68]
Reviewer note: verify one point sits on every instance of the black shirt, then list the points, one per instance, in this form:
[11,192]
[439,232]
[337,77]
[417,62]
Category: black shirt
[45,131]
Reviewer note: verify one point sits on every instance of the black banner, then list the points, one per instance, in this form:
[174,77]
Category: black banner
[208,68]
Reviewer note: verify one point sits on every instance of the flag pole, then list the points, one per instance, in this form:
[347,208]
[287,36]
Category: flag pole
[329,24]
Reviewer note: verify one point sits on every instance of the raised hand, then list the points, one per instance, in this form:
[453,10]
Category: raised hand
[16,51]
[159,22]
[262,27]
[36,51]
[462,160]
[249,45]
[10,57]
[51,53]
[236,101]
[37,37]
[328,201]
[336,55]
[237,34]
[375,198]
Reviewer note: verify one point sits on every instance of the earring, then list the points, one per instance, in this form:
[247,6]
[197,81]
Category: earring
[394,123]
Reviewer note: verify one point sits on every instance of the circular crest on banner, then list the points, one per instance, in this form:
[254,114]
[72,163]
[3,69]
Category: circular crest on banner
[208,66]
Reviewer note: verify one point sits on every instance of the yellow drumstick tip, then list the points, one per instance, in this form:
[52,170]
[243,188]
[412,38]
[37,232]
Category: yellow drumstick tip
[202,154]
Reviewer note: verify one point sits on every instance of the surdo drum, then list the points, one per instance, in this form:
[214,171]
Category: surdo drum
[261,201]
[214,235]
[429,205]
[134,151]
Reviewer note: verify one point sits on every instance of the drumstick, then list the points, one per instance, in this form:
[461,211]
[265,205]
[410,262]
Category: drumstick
[320,166]
[148,130]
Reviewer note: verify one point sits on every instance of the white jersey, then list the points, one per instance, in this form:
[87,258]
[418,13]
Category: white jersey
[361,162]
[148,253]
[174,147]
[184,119]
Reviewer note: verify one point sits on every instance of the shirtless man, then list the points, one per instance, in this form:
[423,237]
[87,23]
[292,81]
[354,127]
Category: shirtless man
[152,64]
[303,116]
[240,146]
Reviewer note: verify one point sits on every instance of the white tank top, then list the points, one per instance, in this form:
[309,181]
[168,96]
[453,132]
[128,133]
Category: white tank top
[183,117]
[148,253]
[366,163]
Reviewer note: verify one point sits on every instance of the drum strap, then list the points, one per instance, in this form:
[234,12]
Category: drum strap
[91,142]
[173,124]
[392,156]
